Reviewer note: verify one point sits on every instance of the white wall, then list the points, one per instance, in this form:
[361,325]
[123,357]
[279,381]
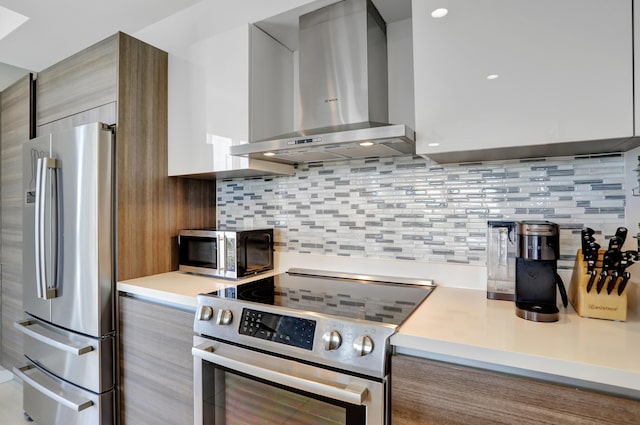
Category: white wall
[203,20]
[632,209]
[9,74]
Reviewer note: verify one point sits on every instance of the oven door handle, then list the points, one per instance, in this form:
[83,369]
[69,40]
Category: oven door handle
[352,394]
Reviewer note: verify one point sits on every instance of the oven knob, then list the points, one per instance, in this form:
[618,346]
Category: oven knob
[363,345]
[331,340]
[204,312]
[224,317]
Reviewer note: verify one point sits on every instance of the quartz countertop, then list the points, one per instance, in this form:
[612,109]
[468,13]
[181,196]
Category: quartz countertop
[462,325]
[178,288]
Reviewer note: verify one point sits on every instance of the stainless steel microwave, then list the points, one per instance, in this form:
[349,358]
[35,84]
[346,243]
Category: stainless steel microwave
[226,253]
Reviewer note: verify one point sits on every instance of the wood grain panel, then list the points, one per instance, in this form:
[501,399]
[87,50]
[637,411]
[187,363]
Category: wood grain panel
[105,114]
[156,379]
[151,206]
[79,83]
[430,392]
[14,130]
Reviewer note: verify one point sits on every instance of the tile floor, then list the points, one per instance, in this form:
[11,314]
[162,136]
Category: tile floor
[11,404]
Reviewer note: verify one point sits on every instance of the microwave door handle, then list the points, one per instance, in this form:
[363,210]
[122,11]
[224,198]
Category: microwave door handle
[352,394]
[222,253]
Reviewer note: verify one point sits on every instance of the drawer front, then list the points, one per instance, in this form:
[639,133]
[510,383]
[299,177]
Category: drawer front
[51,401]
[84,361]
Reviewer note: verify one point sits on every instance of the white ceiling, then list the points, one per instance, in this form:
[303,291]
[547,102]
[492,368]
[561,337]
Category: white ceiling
[59,28]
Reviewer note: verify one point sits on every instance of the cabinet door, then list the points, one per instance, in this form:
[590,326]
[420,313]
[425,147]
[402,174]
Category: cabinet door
[14,130]
[209,108]
[564,73]
[79,83]
[429,392]
[209,101]
[156,367]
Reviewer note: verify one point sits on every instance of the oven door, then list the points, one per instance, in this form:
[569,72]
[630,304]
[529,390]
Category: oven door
[237,386]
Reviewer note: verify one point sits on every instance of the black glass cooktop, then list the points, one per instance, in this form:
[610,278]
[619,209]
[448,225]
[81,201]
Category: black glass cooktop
[349,298]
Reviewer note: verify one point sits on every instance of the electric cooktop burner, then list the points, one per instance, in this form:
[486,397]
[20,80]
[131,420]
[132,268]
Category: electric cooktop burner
[336,294]
[335,320]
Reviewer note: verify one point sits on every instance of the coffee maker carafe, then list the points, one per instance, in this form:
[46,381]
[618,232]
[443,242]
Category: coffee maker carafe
[536,271]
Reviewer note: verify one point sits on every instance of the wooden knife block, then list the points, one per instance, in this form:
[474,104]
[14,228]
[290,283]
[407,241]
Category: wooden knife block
[591,304]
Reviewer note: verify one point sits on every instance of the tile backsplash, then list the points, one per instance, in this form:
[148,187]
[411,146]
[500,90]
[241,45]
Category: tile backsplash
[411,208]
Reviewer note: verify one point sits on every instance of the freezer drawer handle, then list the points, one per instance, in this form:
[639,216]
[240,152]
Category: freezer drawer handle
[42,334]
[353,394]
[49,390]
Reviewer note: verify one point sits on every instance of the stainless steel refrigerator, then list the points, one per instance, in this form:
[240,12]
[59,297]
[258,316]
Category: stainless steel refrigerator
[69,277]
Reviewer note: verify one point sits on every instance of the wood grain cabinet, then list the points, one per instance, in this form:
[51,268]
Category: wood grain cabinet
[15,128]
[564,78]
[156,366]
[123,81]
[435,393]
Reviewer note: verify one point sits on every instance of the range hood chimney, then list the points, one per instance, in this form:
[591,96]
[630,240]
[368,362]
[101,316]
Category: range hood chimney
[343,91]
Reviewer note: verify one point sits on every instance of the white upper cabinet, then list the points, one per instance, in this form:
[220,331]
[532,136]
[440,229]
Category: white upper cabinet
[209,108]
[516,78]
[636,62]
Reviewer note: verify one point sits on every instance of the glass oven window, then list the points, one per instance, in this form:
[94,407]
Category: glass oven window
[234,399]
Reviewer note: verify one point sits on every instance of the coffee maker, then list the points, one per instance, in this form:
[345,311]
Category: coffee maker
[536,271]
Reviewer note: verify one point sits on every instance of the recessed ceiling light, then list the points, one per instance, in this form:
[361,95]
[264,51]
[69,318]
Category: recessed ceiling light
[439,13]
[269,154]
[366,144]
[433,145]
[9,21]
[492,76]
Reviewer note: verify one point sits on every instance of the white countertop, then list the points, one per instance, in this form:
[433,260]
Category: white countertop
[455,324]
[177,288]
[464,324]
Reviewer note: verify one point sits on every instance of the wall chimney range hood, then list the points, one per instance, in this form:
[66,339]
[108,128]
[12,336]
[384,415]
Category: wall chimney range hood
[342,59]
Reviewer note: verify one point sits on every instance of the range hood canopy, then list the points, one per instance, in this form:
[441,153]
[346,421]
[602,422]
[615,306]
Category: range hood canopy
[343,91]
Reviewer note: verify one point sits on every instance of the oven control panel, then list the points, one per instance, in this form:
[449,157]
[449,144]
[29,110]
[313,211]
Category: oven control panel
[287,330]
[355,345]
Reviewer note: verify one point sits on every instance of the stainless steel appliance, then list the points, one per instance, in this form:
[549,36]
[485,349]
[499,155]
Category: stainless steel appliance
[536,271]
[68,274]
[230,253]
[501,260]
[300,347]
[343,91]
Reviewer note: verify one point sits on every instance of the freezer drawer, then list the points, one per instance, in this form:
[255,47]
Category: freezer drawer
[51,401]
[84,361]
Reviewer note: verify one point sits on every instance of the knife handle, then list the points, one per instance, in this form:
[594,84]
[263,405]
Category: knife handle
[601,280]
[621,232]
[615,243]
[592,279]
[625,278]
[612,282]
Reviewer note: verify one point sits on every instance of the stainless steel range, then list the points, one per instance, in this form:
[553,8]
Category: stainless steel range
[303,347]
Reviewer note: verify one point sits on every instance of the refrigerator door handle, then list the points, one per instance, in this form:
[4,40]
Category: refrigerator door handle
[40,384]
[39,333]
[39,228]
[45,290]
